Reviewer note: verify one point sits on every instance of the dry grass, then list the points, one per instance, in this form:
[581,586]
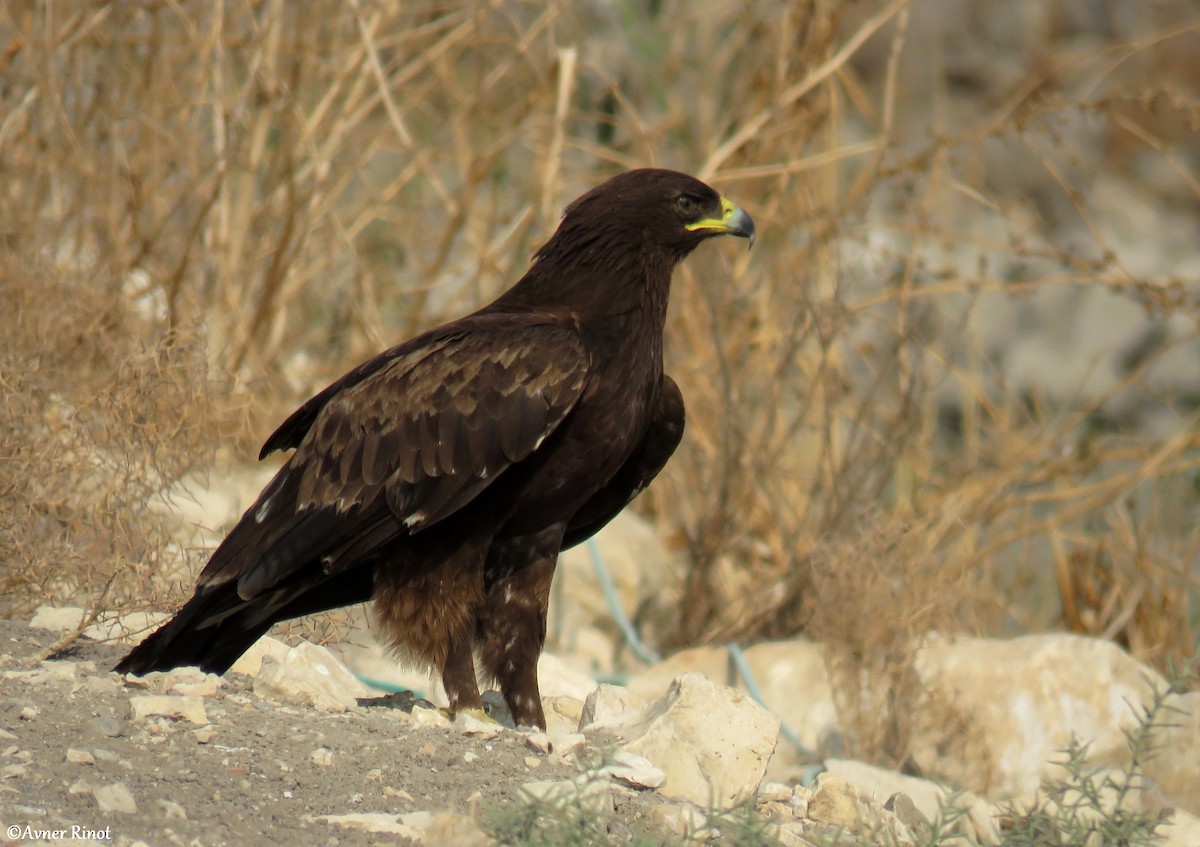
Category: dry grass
[301,188]
[101,414]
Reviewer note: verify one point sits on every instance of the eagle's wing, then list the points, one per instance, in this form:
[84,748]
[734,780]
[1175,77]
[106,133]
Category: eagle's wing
[402,444]
[663,435]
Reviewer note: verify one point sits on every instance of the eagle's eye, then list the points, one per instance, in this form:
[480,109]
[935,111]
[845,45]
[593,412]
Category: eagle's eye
[687,204]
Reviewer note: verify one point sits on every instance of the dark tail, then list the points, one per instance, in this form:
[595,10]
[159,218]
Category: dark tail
[210,631]
[217,626]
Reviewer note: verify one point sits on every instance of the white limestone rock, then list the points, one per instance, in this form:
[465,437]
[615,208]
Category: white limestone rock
[1175,765]
[187,707]
[590,791]
[610,704]
[562,714]
[837,804]
[997,713]
[115,798]
[642,570]
[309,674]
[556,679]
[411,825]
[1182,829]
[712,742]
[791,678]
[634,770]
[125,628]
[929,798]
[250,662]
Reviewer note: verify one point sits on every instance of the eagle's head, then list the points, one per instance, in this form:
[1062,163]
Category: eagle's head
[650,213]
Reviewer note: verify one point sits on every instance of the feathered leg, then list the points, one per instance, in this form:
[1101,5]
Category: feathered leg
[511,625]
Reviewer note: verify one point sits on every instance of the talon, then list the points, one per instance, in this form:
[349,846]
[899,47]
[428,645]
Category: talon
[477,712]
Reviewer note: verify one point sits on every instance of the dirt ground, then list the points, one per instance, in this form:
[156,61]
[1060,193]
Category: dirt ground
[262,772]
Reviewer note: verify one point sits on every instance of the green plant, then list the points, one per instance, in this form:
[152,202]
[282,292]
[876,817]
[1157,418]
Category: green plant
[1092,805]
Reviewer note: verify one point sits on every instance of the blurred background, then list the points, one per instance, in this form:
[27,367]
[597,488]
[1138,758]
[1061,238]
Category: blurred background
[954,387]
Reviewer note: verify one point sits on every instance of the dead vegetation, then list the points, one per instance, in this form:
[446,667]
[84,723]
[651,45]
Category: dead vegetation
[101,413]
[210,210]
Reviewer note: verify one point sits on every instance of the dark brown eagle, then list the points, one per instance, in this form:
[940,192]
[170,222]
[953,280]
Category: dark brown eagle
[442,477]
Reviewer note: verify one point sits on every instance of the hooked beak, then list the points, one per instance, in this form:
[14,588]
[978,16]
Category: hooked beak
[733,221]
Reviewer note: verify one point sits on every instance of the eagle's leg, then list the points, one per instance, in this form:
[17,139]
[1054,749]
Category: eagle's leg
[430,617]
[458,676]
[511,626]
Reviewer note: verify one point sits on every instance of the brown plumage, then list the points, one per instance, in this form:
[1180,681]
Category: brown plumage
[442,477]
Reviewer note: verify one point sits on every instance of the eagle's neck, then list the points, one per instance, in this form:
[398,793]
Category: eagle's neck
[613,285]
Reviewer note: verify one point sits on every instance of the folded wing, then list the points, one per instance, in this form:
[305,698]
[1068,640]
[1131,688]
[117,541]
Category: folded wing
[400,444]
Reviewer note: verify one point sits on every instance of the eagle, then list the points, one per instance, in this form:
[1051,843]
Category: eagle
[441,478]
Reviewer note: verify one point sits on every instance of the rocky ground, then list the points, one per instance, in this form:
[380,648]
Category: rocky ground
[283,749]
[234,769]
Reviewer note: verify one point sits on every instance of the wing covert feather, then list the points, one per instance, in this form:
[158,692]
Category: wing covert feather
[429,430]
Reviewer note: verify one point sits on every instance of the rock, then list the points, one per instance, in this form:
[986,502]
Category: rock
[102,686]
[322,756]
[172,811]
[1175,765]
[57,618]
[538,741]
[902,806]
[468,724]
[791,678]
[634,770]
[774,792]
[1109,790]
[841,805]
[712,742]
[127,628]
[562,714]
[411,825]
[796,835]
[794,684]
[564,743]
[429,718]
[713,662]
[47,672]
[80,757]
[998,712]
[115,798]
[1182,829]
[556,679]
[169,706]
[455,830]
[311,675]
[587,791]
[609,704]
[250,662]
[642,571]
[680,819]
[185,680]
[206,505]
[928,798]
[108,726]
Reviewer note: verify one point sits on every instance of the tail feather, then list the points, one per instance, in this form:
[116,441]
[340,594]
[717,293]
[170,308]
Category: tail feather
[193,637]
[217,626]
